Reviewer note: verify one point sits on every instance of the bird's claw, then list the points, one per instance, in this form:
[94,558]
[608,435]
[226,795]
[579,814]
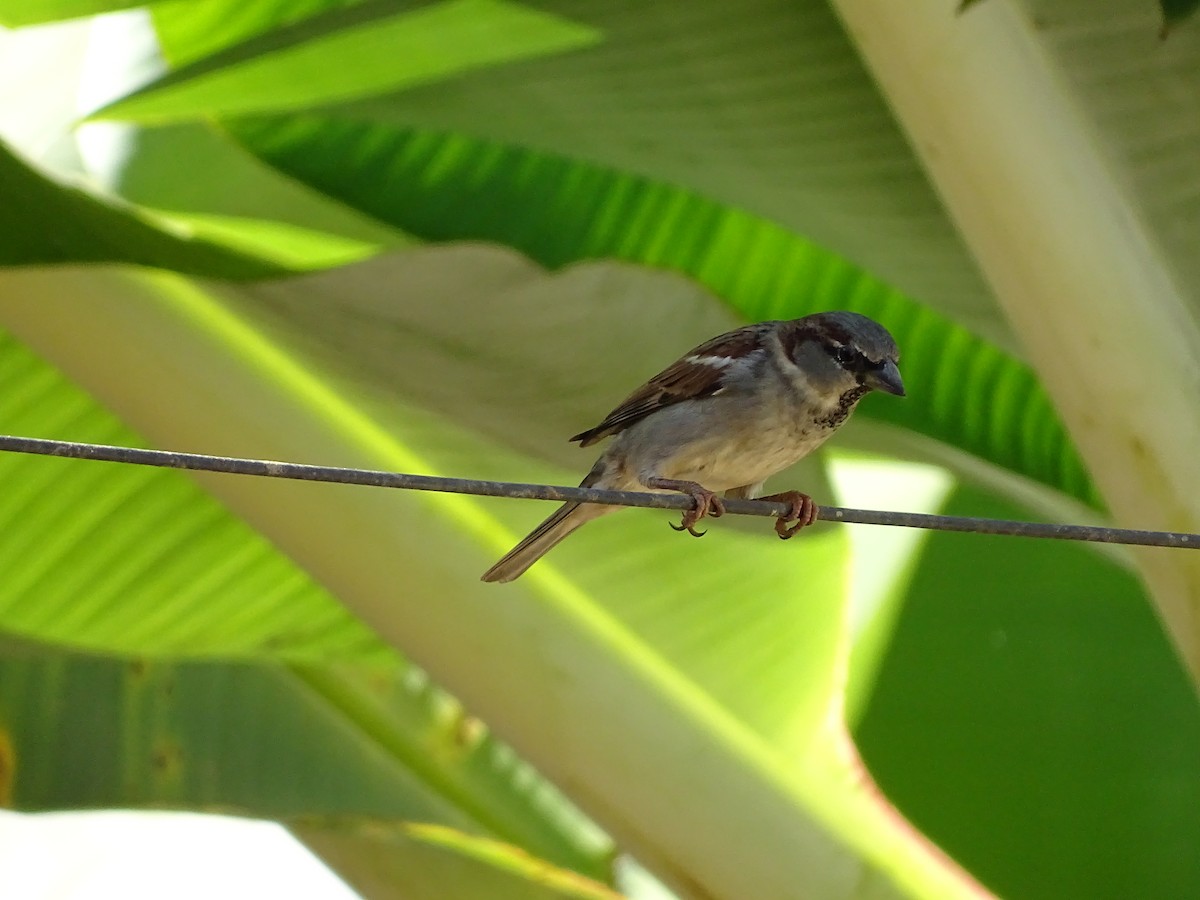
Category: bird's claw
[707,504]
[803,512]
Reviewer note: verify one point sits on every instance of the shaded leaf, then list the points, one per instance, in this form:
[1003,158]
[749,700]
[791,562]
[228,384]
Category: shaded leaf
[42,222]
[1176,11]
[1027,708]
[268,741]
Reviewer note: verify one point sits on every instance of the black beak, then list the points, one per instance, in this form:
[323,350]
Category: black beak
[886,378]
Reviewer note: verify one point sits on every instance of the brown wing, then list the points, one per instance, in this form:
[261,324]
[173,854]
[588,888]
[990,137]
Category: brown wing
[699,373]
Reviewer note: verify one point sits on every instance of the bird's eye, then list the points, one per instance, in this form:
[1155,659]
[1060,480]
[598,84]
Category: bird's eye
[845,356]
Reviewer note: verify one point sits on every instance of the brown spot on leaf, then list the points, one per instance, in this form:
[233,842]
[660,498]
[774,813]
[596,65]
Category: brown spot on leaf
[8,769]
[167,759]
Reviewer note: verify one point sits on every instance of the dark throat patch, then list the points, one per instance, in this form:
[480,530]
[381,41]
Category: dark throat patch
[845,406]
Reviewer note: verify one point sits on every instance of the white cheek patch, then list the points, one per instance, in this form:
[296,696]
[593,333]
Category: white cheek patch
[717,362]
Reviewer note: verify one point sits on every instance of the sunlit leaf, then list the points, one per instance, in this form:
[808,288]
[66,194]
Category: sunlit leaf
[15,13]
[394,47]
[416,345]
[139,559]
[961,389]
[231,198]
[191,31]
[764,108]
[42,222]
[710,712]
[433,861]
[751,150]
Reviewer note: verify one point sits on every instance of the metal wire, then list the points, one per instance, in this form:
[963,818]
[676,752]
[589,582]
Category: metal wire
[374,478]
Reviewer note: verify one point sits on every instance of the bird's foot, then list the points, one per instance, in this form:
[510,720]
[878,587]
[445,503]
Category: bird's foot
[803,512]
[707,503]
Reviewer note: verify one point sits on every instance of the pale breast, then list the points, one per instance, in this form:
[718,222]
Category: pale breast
[719,444]
[727,464]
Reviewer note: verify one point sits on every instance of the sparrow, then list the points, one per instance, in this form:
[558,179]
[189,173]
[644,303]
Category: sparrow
[724,418]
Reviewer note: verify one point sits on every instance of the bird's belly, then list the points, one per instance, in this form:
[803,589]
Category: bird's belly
[724,465]
[720,445]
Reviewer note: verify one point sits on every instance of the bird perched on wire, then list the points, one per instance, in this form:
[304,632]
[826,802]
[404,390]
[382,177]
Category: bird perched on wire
[727,416]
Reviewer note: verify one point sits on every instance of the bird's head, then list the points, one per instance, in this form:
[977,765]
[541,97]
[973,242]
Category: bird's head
[845,354]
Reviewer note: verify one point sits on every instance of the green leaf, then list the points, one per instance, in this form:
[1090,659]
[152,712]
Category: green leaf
[433,861]
[137,559]
[232,198]
[16,13]
[1176,11]
[421,350]
[222,736]
[766,109]
[393,46]
[727,706]
[42,222]
[1027,708]
[1079,208]
[775,115]
[962,390]
[191,31]
[292,246]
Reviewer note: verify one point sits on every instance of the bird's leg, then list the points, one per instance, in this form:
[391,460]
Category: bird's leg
[707,503]
[802,513]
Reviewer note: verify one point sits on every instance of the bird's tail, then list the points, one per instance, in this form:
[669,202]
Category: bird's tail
[539,542]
